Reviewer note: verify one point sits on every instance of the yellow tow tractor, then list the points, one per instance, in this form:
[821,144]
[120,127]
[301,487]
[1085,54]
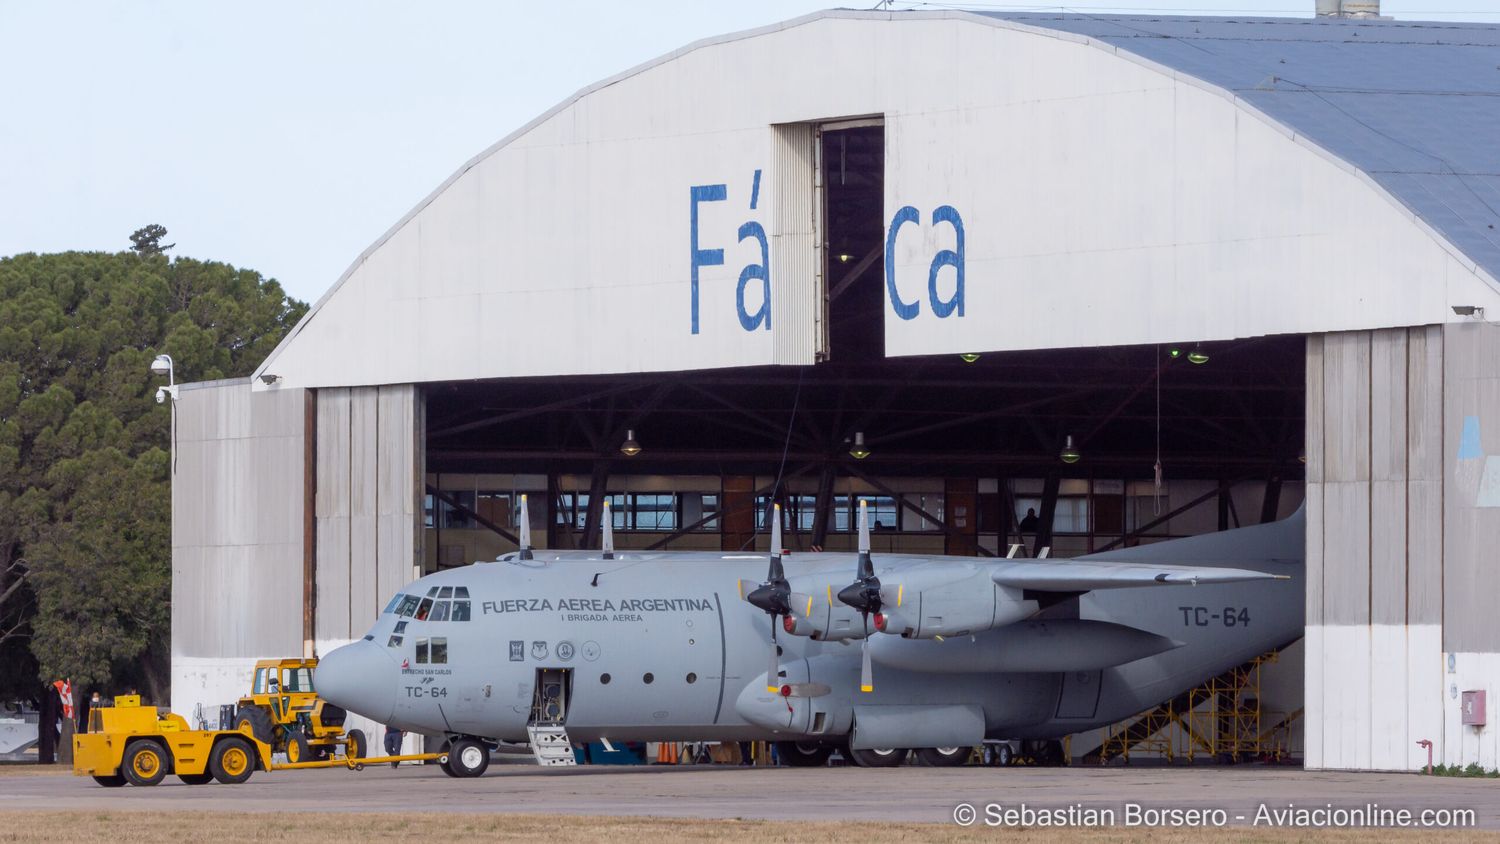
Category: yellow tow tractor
[130,743]
[284,711]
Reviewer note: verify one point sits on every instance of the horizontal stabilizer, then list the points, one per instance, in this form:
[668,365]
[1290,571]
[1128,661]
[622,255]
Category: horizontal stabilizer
[1078,576]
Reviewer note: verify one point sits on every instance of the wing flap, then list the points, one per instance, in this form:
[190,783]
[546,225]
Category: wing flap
[1075,576]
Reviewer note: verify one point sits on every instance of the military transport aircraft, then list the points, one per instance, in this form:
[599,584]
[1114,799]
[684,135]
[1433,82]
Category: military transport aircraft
[877,657]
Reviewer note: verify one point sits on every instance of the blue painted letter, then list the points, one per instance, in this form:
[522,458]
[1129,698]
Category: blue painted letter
[906,214]
[703,257]
[761,271]
[949,257]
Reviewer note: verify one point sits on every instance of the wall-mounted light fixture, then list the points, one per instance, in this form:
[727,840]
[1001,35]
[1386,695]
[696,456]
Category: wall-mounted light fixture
[268,379]
[1469,310]
[163,365]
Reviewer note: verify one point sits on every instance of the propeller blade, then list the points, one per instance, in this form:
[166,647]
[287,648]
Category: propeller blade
[525,531]
[864,529]
[773,683]
[776,532]
[866,675]
[609,533]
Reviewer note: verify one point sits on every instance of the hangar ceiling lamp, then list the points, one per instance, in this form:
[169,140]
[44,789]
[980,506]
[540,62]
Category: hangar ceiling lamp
[845,257]
[859,450]
[1174,353]
[1070,453]
[630,447]
[968,357]
[1197,355]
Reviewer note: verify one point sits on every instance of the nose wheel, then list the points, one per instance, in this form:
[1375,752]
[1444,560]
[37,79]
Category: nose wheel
[467,758]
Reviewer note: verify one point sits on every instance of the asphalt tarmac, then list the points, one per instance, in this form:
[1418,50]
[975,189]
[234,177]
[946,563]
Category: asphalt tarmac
[900,794]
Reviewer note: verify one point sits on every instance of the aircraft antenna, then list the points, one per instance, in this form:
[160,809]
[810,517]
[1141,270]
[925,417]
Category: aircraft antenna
[609,536]
[525,531]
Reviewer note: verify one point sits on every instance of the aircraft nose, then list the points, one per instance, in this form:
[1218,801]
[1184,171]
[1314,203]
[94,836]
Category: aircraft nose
[359,677]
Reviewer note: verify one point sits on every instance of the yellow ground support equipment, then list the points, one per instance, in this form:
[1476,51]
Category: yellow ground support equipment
[130,743]
[284,710]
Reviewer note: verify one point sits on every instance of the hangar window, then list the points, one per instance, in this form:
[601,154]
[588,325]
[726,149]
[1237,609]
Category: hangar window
[440,513]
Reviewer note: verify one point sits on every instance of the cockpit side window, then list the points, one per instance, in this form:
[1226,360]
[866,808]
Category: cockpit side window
[400,627]
[408,605]
[445,592]
[391,607]
[439,611]
[440,651]
[423,609]
[432,593]
[460,611]
[460,591]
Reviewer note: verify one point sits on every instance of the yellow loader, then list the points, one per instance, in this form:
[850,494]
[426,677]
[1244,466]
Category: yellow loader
[284,711]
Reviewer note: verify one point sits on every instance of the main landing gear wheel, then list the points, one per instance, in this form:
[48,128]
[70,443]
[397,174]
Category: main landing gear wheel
[444,762]
[1046,754]
[881,757]
[145,763]
[1002,756]
[803,754]
[468,758]
[943,757]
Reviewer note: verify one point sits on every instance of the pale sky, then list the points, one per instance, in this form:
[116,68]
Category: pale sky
[287,135]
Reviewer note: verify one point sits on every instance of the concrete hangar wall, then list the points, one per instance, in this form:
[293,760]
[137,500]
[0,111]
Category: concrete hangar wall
[1049,182]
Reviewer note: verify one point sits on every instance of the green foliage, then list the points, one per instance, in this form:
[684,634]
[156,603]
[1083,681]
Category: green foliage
[147,240]
[85,474]
[1473,769]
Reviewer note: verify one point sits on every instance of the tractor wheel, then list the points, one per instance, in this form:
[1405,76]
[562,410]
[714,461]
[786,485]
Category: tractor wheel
[803,754]
[232,761]
[196,779]
[111,781]
[468,758]
[297,748]
[355,746]
[944,757]
[877,758]
[256,720]
[145,763]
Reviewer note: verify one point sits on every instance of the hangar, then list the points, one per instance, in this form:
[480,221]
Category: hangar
[1055,281]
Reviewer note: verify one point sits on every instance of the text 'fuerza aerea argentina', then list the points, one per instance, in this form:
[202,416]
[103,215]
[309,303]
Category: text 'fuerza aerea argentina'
[598,605]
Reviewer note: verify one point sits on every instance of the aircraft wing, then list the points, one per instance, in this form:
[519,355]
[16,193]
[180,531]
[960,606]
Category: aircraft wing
[1085,576]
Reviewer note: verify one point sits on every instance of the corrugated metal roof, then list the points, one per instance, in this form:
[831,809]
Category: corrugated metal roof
[1414,104]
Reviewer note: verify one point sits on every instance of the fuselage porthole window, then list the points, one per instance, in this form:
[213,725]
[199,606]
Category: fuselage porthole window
[604,679]
[422,649]
[649,678]
[460,611]
[692,677]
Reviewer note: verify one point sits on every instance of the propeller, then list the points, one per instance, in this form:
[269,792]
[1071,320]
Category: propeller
[774,596]
[864,595]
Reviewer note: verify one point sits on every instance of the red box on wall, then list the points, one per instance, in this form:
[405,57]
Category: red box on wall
[1473,708]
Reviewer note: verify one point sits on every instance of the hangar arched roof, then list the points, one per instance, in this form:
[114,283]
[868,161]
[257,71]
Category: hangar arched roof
[1119,180]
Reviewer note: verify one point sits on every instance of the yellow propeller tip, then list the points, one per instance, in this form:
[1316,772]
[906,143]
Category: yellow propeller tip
[867,688]
[772,689]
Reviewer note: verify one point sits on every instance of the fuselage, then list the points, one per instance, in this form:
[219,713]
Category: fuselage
[660,646]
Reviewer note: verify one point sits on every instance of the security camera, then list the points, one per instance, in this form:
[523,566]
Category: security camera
[268,379]
[161,395]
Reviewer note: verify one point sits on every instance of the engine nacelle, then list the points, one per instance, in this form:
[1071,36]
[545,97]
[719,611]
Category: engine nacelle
[958,608]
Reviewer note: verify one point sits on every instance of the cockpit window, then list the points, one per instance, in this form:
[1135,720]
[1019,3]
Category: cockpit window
[432,593]
[432,651]
[460,591]
[445,592]
[391,607]
[408,605]
[400,627]
[439,611]
[423,609]
[395,641]
[460,611]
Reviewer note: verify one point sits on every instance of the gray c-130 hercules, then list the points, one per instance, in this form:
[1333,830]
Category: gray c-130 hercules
[931,654]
